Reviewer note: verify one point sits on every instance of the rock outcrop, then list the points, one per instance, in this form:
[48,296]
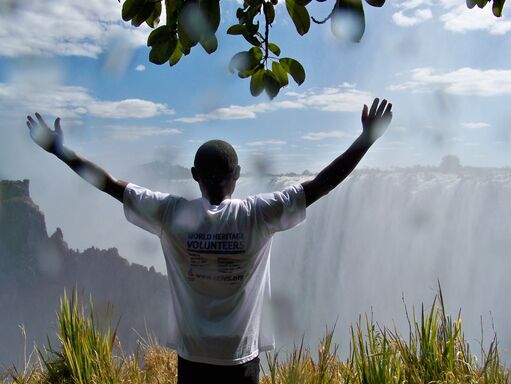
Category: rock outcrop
[22,227]
[36,268]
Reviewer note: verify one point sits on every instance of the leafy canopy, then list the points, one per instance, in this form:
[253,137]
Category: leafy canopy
[195,22]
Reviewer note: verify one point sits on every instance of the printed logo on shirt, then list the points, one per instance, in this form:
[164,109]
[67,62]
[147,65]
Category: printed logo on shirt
[216,243]
[216,257]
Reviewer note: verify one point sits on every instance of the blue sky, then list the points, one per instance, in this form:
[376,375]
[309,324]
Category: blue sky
[444,67]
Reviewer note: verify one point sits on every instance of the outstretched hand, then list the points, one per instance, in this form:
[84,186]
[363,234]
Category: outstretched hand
[50,140]
[376,120]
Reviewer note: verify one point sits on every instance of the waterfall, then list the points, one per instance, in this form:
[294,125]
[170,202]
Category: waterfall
[385,235]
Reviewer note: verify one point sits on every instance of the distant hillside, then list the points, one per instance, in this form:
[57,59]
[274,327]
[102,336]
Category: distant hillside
[164,170]
[158,170]
[35,268]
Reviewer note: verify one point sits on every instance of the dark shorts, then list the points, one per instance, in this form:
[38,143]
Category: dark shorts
[189,372]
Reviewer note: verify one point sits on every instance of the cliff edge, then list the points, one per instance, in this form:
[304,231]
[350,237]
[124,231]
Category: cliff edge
[36,268]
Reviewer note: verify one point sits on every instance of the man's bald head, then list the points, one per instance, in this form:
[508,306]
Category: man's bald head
[216,158]
[216,170]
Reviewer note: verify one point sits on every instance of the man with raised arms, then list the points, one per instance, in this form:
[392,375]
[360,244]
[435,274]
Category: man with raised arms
[216,248]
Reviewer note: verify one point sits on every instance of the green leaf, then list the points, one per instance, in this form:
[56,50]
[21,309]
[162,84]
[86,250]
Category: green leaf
[274,48]
[257,53]
[269,12]
[184,48]
[172,7]
[211,12]
[252,28]
[154,18]
[192,23]
[375,3]
[209,43]
[299,15]
[471,3]
[176,55]
[271,84]
[482,3]
[130,8]
[143,14]
[257,82]
[252,39]
[348,20]
[186,40]
[247,73]
[302,2]
[242,61]
[253,10]
[497,7]
[161,52]
[236,29]
[280,73]
[159,35]
[294,68]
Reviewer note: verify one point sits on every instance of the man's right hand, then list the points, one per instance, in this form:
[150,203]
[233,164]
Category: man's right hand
[376,120]
[48,139]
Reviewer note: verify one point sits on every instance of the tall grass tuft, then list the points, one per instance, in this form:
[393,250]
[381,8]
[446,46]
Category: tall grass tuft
[86,353]
[434,351]
[300,367]
[373,358]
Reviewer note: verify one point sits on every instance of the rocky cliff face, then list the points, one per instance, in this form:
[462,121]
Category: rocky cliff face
[22,227]
[36,268]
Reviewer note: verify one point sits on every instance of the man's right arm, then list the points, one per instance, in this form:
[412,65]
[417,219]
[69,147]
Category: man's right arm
[52,142]
[374,122]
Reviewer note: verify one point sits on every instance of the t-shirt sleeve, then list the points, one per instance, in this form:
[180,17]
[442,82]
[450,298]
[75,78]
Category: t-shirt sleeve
[145,208]
[281,210]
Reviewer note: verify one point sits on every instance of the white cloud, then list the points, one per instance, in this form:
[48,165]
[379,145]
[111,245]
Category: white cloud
[410,13]
[323,135]
[455,16]
[233,112]
[65,27]
[343,98]
[458,18]
[463,81]
[449,3]
[417,17]
[130,133]
[475,125]
[412,4]
[72,102]
[338,99]
[129,108]
[140,68]
[266,142]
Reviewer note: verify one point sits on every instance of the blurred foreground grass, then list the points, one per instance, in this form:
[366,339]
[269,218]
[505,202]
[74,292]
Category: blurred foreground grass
[433,351]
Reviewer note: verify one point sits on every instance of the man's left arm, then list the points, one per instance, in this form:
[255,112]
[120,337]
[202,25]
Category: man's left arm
[374,122]
[52,141]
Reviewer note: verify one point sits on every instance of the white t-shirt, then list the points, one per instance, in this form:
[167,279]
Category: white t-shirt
[217,260]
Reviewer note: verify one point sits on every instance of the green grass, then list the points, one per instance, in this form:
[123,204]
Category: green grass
[433,352]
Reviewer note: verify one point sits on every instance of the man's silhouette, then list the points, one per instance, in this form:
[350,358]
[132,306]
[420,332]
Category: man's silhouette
[216,248]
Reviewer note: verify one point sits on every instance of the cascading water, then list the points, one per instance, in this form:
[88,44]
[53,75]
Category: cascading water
[383,235]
